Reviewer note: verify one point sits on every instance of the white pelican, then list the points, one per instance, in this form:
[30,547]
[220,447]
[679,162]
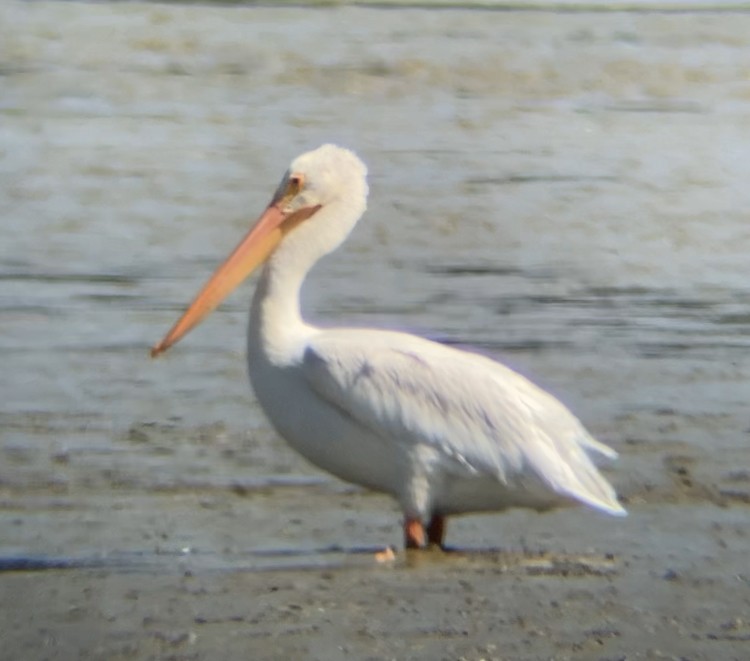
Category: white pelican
[441,430]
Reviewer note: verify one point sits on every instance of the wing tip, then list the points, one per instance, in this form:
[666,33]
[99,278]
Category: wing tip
[591,443]
[616,510]
[599,496]
[609,505]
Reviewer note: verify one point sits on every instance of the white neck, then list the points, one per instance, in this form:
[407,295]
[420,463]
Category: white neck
[276,329]
[277,332]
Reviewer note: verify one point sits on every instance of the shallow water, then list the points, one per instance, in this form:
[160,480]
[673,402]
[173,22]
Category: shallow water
[566,191]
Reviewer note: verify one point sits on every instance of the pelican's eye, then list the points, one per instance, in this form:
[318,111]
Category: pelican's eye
[295,185]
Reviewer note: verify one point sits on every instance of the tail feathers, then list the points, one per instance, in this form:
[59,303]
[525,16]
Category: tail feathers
[577,477]
[588,442]
[606,502]
[589,486]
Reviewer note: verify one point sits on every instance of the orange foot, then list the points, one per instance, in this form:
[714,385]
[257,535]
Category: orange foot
[416,537]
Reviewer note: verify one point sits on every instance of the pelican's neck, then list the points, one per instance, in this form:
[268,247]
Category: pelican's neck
[276,329]
[277,332]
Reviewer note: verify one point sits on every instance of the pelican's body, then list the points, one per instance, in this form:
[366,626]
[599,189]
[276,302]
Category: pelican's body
[443,431]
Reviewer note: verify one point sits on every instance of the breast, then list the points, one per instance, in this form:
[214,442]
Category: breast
[324,435]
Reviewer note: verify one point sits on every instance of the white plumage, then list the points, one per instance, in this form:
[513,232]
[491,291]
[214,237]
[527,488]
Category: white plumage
[443,431]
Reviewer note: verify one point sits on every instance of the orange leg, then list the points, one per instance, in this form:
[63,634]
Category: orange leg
[415,536]
[436,530]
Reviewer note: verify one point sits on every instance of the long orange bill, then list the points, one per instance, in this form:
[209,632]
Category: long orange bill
[250,253]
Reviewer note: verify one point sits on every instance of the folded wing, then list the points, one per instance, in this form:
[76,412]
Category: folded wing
[482,416]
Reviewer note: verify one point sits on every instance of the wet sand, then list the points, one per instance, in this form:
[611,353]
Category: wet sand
[565,191]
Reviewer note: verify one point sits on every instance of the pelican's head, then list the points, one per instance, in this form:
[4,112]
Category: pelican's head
[328,175]
[328,184]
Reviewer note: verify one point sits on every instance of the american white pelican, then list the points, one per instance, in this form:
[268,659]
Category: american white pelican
[441,430]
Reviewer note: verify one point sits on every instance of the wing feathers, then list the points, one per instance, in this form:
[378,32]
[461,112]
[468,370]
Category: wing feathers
[482,416]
